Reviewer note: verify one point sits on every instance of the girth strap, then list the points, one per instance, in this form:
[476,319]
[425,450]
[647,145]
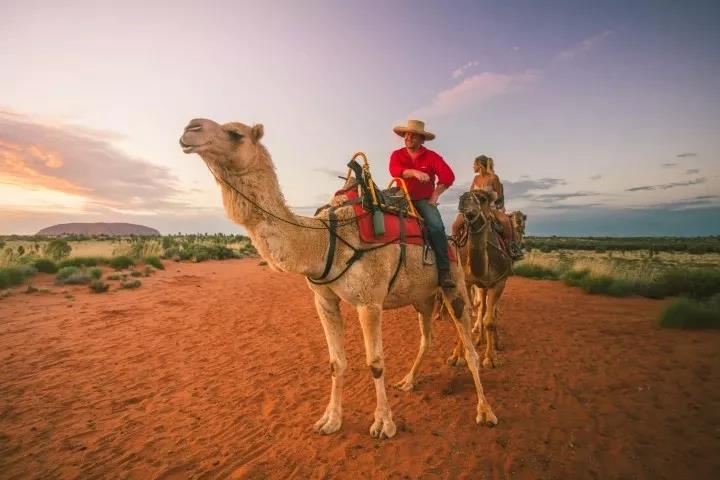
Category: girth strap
[332,226]
[401,260]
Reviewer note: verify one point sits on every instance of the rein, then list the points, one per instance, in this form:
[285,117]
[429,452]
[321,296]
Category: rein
[331,227]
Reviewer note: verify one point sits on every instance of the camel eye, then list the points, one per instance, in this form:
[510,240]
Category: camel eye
[235,136]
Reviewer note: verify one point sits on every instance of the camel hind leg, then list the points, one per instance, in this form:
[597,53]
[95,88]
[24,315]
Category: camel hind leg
[334,326]
[425,316]
[457,307]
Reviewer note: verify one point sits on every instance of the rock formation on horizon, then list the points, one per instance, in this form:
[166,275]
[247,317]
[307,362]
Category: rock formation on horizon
[98,229]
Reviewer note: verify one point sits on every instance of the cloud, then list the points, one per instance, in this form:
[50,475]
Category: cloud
[475,90]
[692,171]
[521,187]
[686,155]
[666,186]
[582,48]
[81,162]
[668,165]
[557,197]
[460,71]
[596,177]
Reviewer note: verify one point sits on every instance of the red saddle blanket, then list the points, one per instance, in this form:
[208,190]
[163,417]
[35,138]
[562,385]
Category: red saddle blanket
[413,231]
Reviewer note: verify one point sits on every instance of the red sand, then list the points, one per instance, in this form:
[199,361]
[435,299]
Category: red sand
[219,369]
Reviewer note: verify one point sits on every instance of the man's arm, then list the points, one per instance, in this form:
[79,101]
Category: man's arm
[436,194]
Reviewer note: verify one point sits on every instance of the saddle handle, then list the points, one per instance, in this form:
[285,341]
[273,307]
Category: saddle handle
[400,182]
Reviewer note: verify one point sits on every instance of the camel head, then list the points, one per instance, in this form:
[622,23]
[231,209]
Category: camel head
[475,207]
[231,146]
[519,220]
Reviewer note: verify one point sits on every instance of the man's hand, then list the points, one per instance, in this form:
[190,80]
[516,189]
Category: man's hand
[420,176]
[433,200]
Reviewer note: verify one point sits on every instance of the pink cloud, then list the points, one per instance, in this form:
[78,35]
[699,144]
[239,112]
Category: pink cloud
[475,90]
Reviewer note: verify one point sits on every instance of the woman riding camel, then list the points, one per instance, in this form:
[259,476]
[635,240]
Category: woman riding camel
[486,180]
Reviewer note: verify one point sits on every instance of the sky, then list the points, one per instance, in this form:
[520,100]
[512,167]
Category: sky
[602,117]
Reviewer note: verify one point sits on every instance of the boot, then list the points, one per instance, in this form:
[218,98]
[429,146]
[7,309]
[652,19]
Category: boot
[445,279]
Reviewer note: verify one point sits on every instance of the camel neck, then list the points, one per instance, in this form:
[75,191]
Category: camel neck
[288,242]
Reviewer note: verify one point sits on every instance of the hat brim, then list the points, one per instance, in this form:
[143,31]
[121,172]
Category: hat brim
[401,131]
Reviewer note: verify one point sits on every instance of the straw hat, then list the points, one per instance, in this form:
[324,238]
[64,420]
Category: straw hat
[414,126]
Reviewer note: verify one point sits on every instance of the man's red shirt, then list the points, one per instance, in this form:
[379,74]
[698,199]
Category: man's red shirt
[426,161]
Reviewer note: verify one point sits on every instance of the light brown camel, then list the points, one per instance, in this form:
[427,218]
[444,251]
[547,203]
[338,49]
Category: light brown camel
[251,195]
[487,266]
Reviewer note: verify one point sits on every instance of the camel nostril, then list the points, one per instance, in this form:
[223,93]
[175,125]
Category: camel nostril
[193,128]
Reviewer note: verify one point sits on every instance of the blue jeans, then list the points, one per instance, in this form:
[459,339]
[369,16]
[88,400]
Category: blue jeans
[436,229]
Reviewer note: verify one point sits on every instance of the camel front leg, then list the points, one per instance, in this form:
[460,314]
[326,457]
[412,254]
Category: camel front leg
[334,326]
[425,316]
[458,308]
[489,322]
[371,322]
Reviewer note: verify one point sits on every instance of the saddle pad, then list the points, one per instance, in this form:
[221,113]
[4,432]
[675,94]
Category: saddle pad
[413,233]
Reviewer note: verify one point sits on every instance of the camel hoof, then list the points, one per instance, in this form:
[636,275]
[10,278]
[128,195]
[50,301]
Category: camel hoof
[490,363]
[406,384]
[486,418]
[382,429]
[327,424]
[454,361]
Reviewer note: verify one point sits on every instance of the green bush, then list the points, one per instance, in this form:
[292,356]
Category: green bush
[27,270]
[155,262]
[77,278]
[98,286]
[691,314]
[131,284]
[135,273]
[45,265]
[534,271]
[120,262]
[11,276]
[57,249]
[95,273]
[65,272]
[82,262]
[695,283]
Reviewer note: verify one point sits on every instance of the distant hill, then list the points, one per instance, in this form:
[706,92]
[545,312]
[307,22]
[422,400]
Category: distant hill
[98,229]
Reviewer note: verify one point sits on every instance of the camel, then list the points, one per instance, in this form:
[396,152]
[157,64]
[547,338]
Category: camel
[518,220]
[487,266]
[251,195]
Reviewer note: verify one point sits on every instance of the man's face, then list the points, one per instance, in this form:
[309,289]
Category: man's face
[413,141]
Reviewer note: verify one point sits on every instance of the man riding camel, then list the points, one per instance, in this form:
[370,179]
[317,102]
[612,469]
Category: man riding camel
[420,167]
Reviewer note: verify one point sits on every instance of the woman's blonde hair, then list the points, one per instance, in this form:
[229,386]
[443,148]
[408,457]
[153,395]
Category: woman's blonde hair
[487,163]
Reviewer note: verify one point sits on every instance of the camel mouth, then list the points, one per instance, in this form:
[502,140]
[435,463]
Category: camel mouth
[188,148]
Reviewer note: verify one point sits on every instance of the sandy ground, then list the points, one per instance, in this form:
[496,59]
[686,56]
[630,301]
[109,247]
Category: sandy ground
[219,370]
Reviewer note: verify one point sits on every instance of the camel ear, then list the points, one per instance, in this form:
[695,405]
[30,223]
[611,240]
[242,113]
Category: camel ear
[257,132]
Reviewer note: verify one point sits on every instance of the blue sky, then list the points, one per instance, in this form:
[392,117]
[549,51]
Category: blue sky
[602,117]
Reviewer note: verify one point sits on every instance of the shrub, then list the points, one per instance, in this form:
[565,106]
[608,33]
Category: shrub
[45,265]
[82,262]
[691,314]
[695,283]
[57,249]
[65,272]
[148,270]
[27,270]
[77,278]
[98,286]
[114,276]
[120,262]
[30,289]
[135,273]
[131,284]
[530,270]
[155,262]
[95,273]
[11,276]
